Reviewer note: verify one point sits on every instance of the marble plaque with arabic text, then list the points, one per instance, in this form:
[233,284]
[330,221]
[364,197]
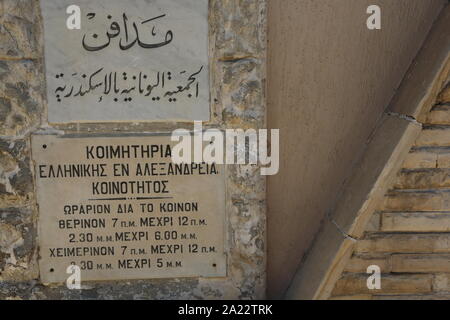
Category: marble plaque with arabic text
[134,60]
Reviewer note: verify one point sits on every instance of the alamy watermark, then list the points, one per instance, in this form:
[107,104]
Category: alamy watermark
[374,280]
[373,22]
[73,282]
[231,146]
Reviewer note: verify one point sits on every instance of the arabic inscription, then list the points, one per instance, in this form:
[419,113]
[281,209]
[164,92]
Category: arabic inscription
[143,61]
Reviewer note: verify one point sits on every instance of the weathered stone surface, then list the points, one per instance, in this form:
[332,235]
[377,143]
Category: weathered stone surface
[21,96]
[245,92]
[433,296]
[242,36]
[359,263]
[17,245]
[404,243]
[439,115]
[417,201]
[415,222]
[16,181]
[423,179]
[420,263]
[420,160]
[428,159]
[353,297]
[441,282]
[239,50]
[444,96]
[443,160]
[390,284]
[435,136]
[132,290]
[20,29]
[246,182]
[21,78]
[374,223]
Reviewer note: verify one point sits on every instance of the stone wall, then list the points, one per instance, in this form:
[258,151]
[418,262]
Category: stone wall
[237,86]
[409,236]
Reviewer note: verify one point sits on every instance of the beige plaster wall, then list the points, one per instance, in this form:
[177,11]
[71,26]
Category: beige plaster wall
[329,80]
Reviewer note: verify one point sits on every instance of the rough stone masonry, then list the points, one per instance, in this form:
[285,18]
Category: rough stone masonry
[408,234]
[237,99]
